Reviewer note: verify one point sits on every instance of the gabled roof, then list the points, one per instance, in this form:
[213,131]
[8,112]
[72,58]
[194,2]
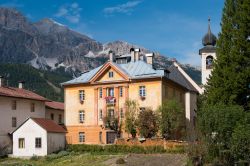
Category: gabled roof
[48,125]
[55,105]
[176,76]
[20,93]
[139,70]
[133,70]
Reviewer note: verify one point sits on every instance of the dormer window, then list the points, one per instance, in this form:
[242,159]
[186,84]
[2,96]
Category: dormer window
[209,62]
[111,74]
[81,95]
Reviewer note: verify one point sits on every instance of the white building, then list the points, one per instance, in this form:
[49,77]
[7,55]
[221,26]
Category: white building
[16,105]
[39,137]
[208,54]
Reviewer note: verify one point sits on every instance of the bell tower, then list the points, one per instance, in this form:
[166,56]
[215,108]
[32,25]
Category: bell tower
[208,54]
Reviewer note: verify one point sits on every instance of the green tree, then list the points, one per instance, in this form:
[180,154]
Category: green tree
[231,74]
[172,119]
[240,142]
[131,117]
[148,123]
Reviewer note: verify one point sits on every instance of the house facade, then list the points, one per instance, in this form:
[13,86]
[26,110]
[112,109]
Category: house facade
[16,105]
[39,137]
[55,111]
[103,91]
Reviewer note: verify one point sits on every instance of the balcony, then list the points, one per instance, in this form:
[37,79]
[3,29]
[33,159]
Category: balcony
[110,100]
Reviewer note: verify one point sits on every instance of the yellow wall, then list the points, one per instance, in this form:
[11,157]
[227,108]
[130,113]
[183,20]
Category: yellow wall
[155,95]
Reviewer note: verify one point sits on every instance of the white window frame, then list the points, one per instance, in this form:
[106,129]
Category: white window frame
[121,113]
[21,146]
[81,95]
[81,116]
[81,137]
[110,92]
[100,92]
[121,91]
[142,91]
[39,143]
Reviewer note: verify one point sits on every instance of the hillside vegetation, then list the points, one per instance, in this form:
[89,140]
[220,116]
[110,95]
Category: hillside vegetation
[45,83]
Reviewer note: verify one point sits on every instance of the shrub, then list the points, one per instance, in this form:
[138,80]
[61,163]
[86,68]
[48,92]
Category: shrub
[120,161]
[172,121]
[147,123]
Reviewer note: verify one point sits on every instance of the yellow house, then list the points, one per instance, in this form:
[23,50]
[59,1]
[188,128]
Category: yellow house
[104,90]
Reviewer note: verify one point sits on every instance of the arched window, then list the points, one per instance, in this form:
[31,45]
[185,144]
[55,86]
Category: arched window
[209,62]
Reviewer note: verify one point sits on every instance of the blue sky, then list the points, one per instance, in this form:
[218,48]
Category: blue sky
[172,27]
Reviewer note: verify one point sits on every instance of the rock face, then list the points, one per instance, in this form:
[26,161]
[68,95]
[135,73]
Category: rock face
[49,45]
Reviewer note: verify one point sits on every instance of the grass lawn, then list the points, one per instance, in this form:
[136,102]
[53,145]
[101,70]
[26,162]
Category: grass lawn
[72,159]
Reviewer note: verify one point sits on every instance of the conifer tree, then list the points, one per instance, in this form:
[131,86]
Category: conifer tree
[230,79]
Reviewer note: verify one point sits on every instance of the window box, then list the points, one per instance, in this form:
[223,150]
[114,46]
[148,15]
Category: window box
[110,100]
[142,97]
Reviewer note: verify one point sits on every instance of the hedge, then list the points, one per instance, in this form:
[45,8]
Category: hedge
[115,149]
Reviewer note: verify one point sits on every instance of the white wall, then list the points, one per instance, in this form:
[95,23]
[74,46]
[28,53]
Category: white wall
[22,112]
[56,141]
[190,107]
[29,131]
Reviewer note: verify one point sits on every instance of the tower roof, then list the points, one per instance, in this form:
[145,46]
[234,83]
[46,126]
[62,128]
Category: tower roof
[209,38]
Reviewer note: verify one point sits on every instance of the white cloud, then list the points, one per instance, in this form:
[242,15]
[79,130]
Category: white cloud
[71,12]
[126,8]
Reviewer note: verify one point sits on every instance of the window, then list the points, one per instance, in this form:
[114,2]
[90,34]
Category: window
[209,62]
[38,142]
[142,91]
[121,91]
[100,137]
[110,92]
[32,107]
[111,113]
[21,143]
[81,116]
[100,92]
[60,119]
[100,114]
[81,137]
[81,95]
[121,113]
[13,121]
[174,93]
[13,105]
[52,116]
[111,74]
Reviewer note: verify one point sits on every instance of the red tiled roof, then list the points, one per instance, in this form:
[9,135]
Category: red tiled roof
[20,93]
[55,105]
[49,125]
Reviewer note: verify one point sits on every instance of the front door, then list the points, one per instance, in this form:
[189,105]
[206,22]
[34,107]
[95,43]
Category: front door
[111,136]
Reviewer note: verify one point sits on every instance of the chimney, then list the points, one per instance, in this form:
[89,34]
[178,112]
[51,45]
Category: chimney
[132,54]
[111,56]
[21,84]
[137,50]
[150,58]
[1,81]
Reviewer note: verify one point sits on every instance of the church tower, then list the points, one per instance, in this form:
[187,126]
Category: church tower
[208,54]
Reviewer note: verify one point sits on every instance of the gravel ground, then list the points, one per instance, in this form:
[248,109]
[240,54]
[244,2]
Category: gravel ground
[150,160]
